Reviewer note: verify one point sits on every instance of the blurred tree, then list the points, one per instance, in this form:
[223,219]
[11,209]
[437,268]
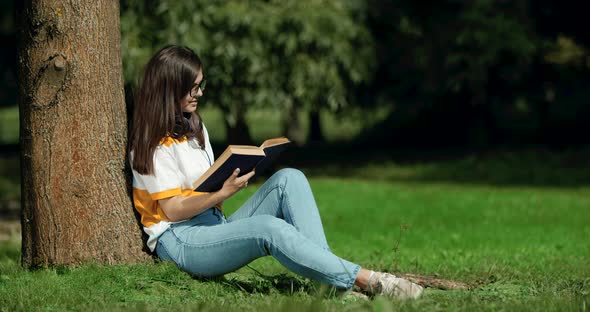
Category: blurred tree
[324,54]
[476,73]
[447,65]
[481,72]
[7,54]
[560,82]
[287,55]
[75,203]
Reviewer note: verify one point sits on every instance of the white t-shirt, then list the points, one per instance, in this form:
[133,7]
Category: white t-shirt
[178,164]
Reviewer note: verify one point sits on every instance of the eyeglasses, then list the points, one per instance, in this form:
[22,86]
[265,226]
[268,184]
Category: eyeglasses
[195,90]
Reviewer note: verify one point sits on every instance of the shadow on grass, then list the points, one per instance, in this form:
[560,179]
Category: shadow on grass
[266,284]
[538,167]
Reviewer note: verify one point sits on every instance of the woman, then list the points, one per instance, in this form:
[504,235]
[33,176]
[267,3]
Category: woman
[170,150]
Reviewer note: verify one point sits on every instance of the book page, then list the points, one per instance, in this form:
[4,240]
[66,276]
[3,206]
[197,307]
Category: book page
[244,146]
[245,150]
[274,141]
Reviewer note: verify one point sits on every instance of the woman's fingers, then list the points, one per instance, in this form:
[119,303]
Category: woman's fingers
[233,176]
[238,182]
[248,175]
[242,181]
[234,183]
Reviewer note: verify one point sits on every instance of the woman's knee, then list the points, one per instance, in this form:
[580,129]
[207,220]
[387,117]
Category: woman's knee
[272,228]
[270,224]
[286,175]
[290,172]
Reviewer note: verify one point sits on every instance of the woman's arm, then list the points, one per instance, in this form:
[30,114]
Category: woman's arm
[180,208]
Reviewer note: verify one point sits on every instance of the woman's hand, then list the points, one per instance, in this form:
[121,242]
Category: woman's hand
[234,183]
[180,208]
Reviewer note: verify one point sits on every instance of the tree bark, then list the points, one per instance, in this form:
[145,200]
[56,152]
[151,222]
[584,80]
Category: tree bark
[75,202]
[315,127]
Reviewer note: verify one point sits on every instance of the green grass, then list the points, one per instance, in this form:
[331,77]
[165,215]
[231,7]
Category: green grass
[526,247]
[515,224]
[9,124]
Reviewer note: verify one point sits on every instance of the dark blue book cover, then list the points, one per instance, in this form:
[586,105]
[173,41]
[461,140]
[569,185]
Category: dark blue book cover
[247,158]
[271,152]
[246,163]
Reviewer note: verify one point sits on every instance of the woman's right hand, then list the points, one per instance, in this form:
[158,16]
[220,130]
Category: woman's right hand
[179,207]
[234,183]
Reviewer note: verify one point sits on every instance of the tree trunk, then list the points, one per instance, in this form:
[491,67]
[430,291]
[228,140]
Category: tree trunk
[315,127]
[75,201]
[292,127]
[237,130]
[239,133]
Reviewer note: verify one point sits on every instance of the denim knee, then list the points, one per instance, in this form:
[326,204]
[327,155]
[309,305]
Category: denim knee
[271,224]
[273,228]
[290,173]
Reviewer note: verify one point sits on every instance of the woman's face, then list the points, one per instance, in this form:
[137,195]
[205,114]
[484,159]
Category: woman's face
[189,103]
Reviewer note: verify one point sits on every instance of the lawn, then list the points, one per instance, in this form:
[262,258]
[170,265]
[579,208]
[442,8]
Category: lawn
[9,124]
[522,247]
[515,225]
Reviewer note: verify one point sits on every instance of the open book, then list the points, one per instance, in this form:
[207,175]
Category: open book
[245,157]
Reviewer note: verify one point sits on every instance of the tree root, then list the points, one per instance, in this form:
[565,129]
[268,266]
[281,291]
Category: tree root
[433,282]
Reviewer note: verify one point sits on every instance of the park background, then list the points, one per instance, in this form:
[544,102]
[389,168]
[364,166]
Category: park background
[442,138]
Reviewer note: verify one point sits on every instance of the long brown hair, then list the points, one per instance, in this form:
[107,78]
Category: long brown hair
[168,77]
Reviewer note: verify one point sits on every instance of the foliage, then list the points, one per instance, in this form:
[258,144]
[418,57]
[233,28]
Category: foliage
[488,37]
[476,73]
[451,46]
[524,246]
[138,29]
[271,54]
[8,80]
[480,73]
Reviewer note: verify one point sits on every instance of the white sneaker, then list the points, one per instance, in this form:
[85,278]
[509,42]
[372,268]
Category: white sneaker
[389,285]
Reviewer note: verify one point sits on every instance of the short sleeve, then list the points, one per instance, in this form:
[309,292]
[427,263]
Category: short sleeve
[208,147]
[167,178]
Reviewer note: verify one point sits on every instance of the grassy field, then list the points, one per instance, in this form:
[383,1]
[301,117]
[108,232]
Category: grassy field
[9,124]
[524,247]
[515,225]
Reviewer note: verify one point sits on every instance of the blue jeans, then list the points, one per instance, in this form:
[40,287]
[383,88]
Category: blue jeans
[281,219]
